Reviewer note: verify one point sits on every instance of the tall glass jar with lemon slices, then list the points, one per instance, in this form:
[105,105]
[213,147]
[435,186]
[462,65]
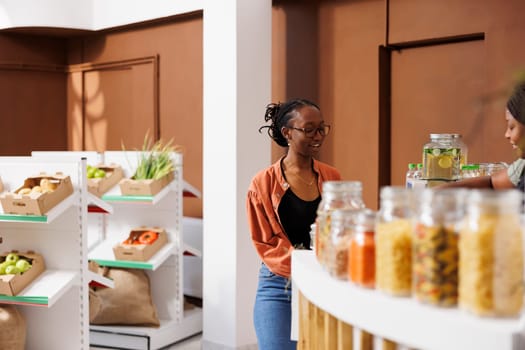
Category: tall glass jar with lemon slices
[441,158]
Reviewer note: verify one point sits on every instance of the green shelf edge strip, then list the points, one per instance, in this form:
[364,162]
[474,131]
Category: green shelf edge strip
[19,299]
[27,218]
[117,198]
[125,264]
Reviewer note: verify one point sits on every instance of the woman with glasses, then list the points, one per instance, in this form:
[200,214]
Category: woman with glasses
[281,204]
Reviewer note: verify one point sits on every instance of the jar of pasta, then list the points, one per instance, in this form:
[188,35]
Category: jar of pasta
[336,195]
[491,254]
[435,242]
[341,229]
[393,239]
[361,262]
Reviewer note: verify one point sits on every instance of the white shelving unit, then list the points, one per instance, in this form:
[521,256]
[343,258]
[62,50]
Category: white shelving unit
[399,319]
[165,268]
[110,220]
[56,302]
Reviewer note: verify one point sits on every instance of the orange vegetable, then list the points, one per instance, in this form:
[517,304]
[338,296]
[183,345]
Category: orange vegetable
[148,237]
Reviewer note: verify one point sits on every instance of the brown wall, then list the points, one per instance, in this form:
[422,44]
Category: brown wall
[96,91]
[325,50]
[32,94]
[438,88]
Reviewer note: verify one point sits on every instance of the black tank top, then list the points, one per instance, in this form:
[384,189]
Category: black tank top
[296,217]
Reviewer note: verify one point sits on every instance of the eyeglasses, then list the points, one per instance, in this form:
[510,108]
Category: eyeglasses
[310,132]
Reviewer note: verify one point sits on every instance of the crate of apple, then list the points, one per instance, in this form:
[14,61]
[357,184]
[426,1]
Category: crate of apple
[14,264]
[95,173]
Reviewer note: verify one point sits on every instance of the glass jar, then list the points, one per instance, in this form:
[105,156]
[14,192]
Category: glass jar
[435,243]
[441,158]
[491,254]
[457,139]
[393,239]
[341,229]
[361,263]
[336,195]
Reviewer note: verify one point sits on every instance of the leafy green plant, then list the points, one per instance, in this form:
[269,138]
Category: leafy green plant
[154,159]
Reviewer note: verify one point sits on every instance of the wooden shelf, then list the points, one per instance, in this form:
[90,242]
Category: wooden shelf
[45,290]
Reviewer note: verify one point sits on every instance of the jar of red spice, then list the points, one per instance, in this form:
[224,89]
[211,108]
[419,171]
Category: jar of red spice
[361,263]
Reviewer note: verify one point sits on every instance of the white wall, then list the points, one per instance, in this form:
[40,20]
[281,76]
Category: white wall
[237,83]
[237,72]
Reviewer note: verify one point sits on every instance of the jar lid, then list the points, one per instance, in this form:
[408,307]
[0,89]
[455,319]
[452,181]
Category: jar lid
[342,186]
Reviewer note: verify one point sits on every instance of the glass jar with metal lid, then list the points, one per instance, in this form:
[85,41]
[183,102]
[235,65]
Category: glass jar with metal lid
[435,242]
[361,262]
[393,241]
[441,158]
[336,195]
[491,254]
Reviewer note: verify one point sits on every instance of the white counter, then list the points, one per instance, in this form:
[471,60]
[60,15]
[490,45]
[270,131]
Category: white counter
[402,320]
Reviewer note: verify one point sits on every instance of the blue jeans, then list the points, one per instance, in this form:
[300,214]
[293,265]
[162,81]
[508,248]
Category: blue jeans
[272,313]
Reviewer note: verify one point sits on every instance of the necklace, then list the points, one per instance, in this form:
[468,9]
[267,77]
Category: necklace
[308,183]
[286,169]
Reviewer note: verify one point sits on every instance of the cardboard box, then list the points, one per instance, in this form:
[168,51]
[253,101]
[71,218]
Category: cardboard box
[99,186]
[140,252]
[14,284]
[37,203]
[130,187]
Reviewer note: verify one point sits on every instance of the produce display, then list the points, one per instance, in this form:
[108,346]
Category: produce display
[44,186]
[94,172]
[491,265]
[141,244]
[155,160]
[436,264]
[394,257]
[137,237]
[14,264]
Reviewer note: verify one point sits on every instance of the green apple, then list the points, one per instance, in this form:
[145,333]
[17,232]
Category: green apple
[3,266]
[12,270]
[23,265]
[91,172]
[11,258]
[99,173]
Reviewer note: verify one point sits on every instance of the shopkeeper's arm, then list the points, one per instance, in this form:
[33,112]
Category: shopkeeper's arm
[498,181]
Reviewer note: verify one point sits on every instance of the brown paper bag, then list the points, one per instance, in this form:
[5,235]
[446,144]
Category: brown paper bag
[12,328]
[129,303]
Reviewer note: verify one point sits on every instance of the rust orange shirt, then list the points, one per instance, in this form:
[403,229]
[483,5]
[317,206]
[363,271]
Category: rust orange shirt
[264,195]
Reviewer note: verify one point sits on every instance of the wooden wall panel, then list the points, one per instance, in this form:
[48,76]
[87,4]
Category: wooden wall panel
[32,94]
[424,102]
[33,112]
[178,44]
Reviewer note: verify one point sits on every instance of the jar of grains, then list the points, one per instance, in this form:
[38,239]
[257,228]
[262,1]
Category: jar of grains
[393,237]
[341,229]
[361,263]
[491,254]
[336,195]
[435,242]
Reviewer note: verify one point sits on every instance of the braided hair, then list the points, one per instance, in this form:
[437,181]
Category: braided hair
[279,114]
